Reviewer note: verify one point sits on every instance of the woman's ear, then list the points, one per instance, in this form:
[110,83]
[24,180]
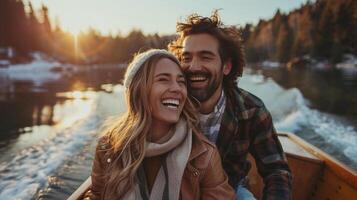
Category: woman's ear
[227,67]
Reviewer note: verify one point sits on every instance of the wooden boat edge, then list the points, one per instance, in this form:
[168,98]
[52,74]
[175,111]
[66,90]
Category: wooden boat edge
[341,170]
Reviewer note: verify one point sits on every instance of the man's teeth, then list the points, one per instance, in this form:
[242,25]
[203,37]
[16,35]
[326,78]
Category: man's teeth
[197,78]
[171,103]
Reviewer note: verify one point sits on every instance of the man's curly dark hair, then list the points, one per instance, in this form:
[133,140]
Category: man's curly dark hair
[229,38]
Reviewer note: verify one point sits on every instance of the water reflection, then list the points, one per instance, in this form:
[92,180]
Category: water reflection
[29,111]
[47,121]
[44,122]
[42,115]
[68,112]
[25,104]
[77,94]
[26,110]
[330,90]
[349,76]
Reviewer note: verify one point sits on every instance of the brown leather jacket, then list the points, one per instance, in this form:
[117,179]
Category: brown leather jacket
[203,177]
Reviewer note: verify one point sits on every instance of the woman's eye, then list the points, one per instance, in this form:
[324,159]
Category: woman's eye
[182,82]
[162,79]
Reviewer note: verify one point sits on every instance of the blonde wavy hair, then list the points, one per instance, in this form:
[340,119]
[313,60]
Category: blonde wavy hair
[128,135]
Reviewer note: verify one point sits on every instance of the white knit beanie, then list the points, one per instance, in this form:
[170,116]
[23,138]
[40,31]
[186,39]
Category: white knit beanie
[139,61]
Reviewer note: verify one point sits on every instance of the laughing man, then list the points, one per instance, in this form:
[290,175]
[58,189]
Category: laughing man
[236,121]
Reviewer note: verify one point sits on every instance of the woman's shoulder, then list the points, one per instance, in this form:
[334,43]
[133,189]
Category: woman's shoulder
[202,139]
[103,143]
[203,151]
[104,148]
[103,152]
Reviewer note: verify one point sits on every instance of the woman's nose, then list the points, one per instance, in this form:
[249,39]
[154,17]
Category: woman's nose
[175,86]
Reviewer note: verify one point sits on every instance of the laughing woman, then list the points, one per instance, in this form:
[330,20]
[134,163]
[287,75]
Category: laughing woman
[155,150]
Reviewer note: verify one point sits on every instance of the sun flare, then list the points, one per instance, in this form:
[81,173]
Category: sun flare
[74,30]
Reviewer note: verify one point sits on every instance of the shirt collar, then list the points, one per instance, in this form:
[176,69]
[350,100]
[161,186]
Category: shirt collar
[220,104]
[218,108]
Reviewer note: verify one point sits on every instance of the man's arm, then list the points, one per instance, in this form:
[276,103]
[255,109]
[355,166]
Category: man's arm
[270,158]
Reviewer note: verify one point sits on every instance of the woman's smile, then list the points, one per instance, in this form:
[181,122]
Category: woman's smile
[168,92]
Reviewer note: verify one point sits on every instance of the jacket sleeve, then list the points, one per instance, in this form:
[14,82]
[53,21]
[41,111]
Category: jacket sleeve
[98,172]
[214,184]
[270,158]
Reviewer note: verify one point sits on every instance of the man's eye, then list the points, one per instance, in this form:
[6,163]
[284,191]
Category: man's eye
[185,59]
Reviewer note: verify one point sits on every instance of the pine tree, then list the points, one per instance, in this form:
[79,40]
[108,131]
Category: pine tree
[284,42]
[33,29]
[276,22]
[324,35]
[46,32]
[246,32]
[4,22]
[346,32]
[18,27]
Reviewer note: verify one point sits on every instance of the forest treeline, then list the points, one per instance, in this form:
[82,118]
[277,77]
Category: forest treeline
[323,29]
[27,30]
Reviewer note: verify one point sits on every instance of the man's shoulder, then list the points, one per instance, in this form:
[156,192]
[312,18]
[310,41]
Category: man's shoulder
[248,99]
[246,104]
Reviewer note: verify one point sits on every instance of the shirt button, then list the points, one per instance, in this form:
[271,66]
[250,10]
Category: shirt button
[195,173]
[109,160]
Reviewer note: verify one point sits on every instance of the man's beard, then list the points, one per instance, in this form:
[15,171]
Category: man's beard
[204,94]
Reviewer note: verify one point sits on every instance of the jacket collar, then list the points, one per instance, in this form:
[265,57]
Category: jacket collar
[198,147]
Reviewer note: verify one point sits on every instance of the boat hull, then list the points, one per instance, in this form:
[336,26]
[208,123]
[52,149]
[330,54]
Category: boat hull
[316,175]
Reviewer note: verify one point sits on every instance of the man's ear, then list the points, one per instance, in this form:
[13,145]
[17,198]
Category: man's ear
[227,67]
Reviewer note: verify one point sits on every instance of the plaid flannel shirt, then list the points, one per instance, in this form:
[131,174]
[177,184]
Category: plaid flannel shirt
[247,127]
[211,123]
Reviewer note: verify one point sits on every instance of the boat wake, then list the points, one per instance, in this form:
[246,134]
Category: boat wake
[28,171]
[291,113]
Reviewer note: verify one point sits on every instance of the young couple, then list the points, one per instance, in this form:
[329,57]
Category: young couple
[163,146]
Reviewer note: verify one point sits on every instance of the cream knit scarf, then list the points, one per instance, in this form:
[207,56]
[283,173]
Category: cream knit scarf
[178,149]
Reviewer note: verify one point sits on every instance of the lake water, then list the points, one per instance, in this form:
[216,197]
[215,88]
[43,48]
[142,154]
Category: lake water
[48,133]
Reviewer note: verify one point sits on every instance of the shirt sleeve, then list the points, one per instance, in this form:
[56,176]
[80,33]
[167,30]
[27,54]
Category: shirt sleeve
[270,158]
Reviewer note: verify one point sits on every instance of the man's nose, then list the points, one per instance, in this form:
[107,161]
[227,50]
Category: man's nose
[194,65]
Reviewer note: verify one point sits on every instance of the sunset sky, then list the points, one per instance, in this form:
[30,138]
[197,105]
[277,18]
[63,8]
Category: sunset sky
[155,16]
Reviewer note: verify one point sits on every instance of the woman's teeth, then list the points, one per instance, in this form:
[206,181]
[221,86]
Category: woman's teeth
[171,103]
